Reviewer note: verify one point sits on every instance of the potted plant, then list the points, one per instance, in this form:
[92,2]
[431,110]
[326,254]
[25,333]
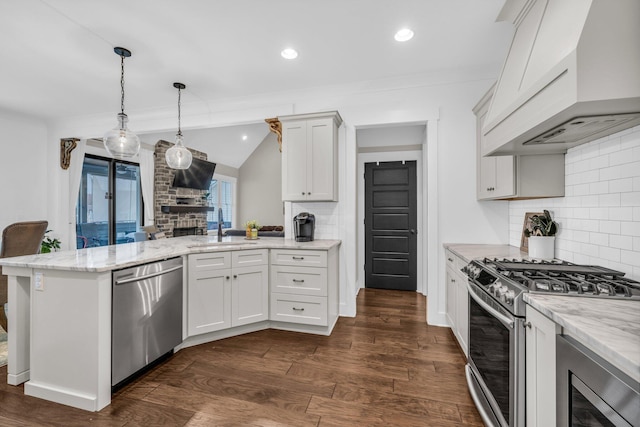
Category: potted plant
[48,244]
[542,236]
[252,228]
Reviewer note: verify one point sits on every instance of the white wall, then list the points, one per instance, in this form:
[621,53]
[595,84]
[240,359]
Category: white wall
[599,217]
[260,184]
[23,169]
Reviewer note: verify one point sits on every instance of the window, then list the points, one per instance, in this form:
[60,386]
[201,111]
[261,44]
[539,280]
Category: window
[222,197]
[109,208]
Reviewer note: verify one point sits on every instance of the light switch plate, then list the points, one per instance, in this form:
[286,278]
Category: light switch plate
[38,282]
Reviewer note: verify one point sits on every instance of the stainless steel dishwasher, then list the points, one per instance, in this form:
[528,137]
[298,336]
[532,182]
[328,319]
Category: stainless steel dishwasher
[146,316]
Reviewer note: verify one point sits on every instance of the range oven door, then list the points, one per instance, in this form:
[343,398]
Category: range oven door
[495,371]
[591,392]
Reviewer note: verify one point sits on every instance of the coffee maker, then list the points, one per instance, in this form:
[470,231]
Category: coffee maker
[304,225]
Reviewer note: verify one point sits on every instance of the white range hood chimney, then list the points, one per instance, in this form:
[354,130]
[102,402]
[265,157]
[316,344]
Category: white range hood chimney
[572,75]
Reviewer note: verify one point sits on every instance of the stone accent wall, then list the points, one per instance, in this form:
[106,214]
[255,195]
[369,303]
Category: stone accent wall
[165,195]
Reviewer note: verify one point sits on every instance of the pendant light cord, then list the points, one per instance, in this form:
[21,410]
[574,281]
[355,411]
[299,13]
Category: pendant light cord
[122,84]
[179,103]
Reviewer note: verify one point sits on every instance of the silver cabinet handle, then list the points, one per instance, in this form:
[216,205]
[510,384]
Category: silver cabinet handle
[235,276]
[148,276]
[492,311]
[298,280]
[298,309]
[227,277]
[450,259]
[298,258]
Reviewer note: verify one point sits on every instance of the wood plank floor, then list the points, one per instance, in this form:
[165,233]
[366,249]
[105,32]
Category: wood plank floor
[385,367]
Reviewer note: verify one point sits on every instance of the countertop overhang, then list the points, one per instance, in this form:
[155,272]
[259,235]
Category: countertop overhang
[115,257]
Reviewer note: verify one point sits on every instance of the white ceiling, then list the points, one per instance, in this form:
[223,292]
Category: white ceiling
[58,60]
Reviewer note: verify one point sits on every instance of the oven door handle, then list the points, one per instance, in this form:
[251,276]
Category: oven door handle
[492,311]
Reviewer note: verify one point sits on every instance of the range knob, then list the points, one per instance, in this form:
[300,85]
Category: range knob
[508,297]
[501,292]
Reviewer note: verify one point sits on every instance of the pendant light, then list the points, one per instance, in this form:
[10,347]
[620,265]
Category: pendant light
[120,142]
[178,156]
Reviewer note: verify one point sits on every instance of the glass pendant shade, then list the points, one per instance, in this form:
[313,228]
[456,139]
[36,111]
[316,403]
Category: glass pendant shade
[120,142]
[178,156]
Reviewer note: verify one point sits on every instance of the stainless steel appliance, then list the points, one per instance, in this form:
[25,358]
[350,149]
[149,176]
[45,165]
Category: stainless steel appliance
[304,225]
[496,365]
[592,392]
[146,316]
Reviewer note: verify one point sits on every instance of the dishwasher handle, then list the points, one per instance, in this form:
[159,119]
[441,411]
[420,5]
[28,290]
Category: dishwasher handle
[148,276]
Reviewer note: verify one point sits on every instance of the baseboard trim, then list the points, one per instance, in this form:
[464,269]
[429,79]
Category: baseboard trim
[17,379]
[64,397]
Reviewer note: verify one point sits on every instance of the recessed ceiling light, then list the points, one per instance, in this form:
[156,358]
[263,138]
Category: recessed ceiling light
[244,137]
[289,53]
[403,35]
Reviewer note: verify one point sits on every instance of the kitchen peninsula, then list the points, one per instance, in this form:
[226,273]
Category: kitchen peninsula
[60,306]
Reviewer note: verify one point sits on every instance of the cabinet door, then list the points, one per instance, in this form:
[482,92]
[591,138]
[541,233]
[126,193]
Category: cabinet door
[486,177]
[208,301]
[294,161]
[250,295]
[451,298]
[505,185]
[321,168]
[541,369]
[462,312]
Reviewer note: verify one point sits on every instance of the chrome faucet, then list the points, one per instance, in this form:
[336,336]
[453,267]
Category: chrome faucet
[220,220]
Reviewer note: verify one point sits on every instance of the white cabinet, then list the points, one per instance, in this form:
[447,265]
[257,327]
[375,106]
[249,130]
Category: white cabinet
[227,289]
[541,369]
[310,156]
[513,177]
[457,299]
[304,287]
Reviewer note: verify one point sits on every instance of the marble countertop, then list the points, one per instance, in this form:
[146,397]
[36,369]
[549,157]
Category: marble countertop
[473,251]
[106,258]
[611,328]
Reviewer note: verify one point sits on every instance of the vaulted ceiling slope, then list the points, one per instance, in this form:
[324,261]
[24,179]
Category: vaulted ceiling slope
[58,60]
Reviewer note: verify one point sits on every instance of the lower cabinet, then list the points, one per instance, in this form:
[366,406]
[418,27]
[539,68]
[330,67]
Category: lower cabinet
[540,343]
[227,289]
[457,298]
[304,286]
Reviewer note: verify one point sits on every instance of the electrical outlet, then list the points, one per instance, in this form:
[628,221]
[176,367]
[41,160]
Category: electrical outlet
[39,282]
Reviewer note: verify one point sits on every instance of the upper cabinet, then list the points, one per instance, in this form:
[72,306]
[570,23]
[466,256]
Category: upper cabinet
[514,177]
[310,156]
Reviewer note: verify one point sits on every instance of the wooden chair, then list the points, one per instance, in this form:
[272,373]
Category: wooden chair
[21,238]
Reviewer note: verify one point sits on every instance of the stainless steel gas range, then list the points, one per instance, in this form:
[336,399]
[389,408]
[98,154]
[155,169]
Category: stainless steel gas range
[496,364]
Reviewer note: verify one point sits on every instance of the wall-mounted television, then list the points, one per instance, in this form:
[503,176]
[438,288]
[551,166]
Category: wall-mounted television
[197,176]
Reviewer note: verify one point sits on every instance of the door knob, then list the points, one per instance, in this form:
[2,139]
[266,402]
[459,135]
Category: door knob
[412,231]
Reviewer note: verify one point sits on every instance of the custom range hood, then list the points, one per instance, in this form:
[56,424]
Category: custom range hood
[572,75]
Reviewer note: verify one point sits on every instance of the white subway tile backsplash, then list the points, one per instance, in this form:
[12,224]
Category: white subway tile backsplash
[610,254]
[611,227]
[599,216]
[621,242]
[630,199]
[620,185]
[600,239]
[630,228]
[630,257]
[621,214]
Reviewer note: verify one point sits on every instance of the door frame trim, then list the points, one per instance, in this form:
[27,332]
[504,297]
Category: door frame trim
[392,156]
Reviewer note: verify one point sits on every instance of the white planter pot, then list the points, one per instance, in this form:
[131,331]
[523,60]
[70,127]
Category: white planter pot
[542,247]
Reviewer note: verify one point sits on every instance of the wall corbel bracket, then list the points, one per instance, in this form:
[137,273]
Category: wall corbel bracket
[275,126]
[67,145]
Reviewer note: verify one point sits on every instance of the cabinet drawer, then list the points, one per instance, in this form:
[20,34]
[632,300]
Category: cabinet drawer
[299,258]
[305,309]
[249,258]
[299,280]
[209,261]
[454,261]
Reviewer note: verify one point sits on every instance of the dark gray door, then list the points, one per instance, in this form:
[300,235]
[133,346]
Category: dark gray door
[390,225]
